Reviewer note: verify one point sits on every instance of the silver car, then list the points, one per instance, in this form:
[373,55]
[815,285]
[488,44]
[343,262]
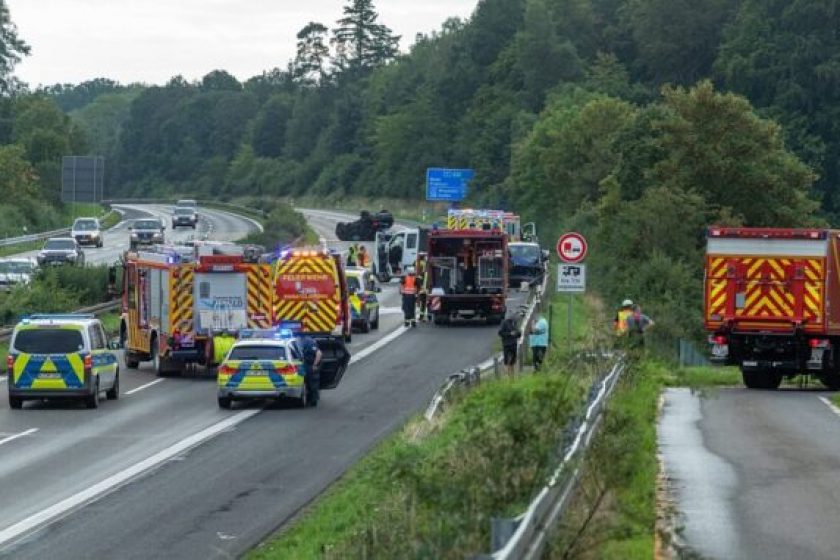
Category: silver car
[87,231]
[16,272]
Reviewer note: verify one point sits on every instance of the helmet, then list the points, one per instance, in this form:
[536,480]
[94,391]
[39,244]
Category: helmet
[627,303]
[409,270]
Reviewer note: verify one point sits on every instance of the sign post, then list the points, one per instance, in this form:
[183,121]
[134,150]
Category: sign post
[571,275]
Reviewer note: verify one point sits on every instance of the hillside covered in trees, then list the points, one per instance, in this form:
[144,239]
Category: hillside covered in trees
[637,121]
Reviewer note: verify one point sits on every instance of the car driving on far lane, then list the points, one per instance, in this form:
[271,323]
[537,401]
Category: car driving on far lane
[87,231]
[61,250]
[146,231]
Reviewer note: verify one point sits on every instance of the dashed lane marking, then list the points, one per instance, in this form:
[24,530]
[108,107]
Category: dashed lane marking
[146,386]
[13,437]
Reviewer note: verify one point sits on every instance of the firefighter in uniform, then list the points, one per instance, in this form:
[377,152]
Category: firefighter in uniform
[422,288]
[408,289]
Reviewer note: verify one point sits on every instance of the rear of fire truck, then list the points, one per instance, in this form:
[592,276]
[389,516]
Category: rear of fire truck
[771,304]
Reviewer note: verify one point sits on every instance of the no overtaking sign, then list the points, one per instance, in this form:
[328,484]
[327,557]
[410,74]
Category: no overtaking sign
[571,248]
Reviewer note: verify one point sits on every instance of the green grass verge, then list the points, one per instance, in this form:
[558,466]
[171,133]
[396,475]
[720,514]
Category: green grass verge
[107,221]
[431,490]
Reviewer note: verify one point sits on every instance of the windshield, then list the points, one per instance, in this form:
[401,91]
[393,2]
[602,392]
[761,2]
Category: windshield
[353,283]
[60,245]
[187,203]
[147,224]
[184,211]
[84,225]
[15,267]
[525,254]
[49,341]
[272,353]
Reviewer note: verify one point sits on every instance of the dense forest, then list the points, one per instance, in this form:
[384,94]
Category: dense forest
[637,121]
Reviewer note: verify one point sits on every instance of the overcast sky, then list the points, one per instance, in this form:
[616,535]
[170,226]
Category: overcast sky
[152,40]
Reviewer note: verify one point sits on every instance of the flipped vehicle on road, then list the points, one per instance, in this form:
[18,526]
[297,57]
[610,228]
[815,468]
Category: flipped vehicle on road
[146,231]
[527,263]
[87,231]
[184,216]
[61,357]
[365,228]
[16,272]
[263,364]
[364,303]
[61,250]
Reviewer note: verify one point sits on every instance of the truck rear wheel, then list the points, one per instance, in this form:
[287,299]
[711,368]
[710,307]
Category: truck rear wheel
[831,380]
[761,379]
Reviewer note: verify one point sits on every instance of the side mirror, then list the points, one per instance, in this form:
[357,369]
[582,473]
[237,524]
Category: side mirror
[545,255]
[115,344]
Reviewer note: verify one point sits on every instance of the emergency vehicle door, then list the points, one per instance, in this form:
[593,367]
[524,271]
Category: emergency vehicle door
[334,361]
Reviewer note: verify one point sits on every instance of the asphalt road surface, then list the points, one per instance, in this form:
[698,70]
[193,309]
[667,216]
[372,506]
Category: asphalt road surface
[756,474]
[213,224]
[164,473]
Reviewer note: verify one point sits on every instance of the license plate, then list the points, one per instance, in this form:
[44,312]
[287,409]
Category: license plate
[258,373]
[720,350]
[49,375]
[750,364]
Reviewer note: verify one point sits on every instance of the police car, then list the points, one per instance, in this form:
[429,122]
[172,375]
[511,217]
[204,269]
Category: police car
[61,356]
[263,363]
[364,303]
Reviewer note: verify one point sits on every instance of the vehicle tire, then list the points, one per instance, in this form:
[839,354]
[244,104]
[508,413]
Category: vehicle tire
[366,326]
[225,402]
[114,392]
[375,324]
[92,401]
[348,338]
[157,361]
[440,319]
[131,362]
[303,401]
[761,379]
[15,403]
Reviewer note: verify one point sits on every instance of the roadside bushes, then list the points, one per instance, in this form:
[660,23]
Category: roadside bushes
[56,290]
[282,226]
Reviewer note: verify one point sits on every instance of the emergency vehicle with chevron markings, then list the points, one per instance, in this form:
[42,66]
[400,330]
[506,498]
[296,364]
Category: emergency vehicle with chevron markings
[185,304]
[772,303]
[311,297]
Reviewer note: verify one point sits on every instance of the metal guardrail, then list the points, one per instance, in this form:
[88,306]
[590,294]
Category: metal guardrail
[38,236]
[98,309]
[526,536]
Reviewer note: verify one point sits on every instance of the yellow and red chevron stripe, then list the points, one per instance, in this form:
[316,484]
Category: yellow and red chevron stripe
[260,296]
[316,312]
[765,286]
[181,299]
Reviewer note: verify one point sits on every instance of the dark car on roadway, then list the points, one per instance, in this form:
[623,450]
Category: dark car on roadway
[184,216]
[527,263]
[146,231]
[61,250]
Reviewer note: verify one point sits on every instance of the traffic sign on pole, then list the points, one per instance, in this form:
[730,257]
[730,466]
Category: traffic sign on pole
[571,278]
[572,248]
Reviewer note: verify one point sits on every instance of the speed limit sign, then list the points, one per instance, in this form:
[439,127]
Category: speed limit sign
[571,248]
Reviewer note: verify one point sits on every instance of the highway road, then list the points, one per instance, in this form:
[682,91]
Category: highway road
[213,224]
[755,474]
[164,473]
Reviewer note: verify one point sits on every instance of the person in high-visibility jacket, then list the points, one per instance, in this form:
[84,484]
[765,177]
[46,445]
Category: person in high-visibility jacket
[620,322]
[422,288]
[362,257]
[408,289]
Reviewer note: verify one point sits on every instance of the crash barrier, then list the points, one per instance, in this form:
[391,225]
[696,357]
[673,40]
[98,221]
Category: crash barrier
[528,314]
[472,375]
[98,309]
[40,236]
[526,536]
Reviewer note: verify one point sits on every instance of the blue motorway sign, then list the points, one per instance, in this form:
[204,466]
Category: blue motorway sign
[448,184]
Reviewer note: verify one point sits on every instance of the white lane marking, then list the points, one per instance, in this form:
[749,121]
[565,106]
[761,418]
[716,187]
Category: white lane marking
[28,432]
[42,518]
[830,405]
[390,310]
[146,386]
[2,378]
[362,354]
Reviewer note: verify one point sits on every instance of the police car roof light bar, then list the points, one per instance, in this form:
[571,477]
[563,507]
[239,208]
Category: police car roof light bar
[68,316]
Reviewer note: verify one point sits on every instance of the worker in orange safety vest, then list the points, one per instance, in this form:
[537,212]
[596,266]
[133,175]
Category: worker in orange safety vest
[408,289]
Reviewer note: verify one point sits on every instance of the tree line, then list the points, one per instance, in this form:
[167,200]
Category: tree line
[636,121]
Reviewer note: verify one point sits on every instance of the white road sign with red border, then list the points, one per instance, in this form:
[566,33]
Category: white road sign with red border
[571,248]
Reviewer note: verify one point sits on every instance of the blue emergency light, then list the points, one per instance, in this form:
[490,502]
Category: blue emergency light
[276,333]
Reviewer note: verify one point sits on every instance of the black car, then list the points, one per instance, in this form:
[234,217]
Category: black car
[527,263]
[184,216]
[146,231]
[61,250]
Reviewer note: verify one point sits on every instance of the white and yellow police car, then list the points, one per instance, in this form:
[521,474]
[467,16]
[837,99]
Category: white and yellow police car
[262,364]
[61,356]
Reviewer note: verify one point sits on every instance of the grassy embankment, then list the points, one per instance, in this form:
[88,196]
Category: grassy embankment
[431,489]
